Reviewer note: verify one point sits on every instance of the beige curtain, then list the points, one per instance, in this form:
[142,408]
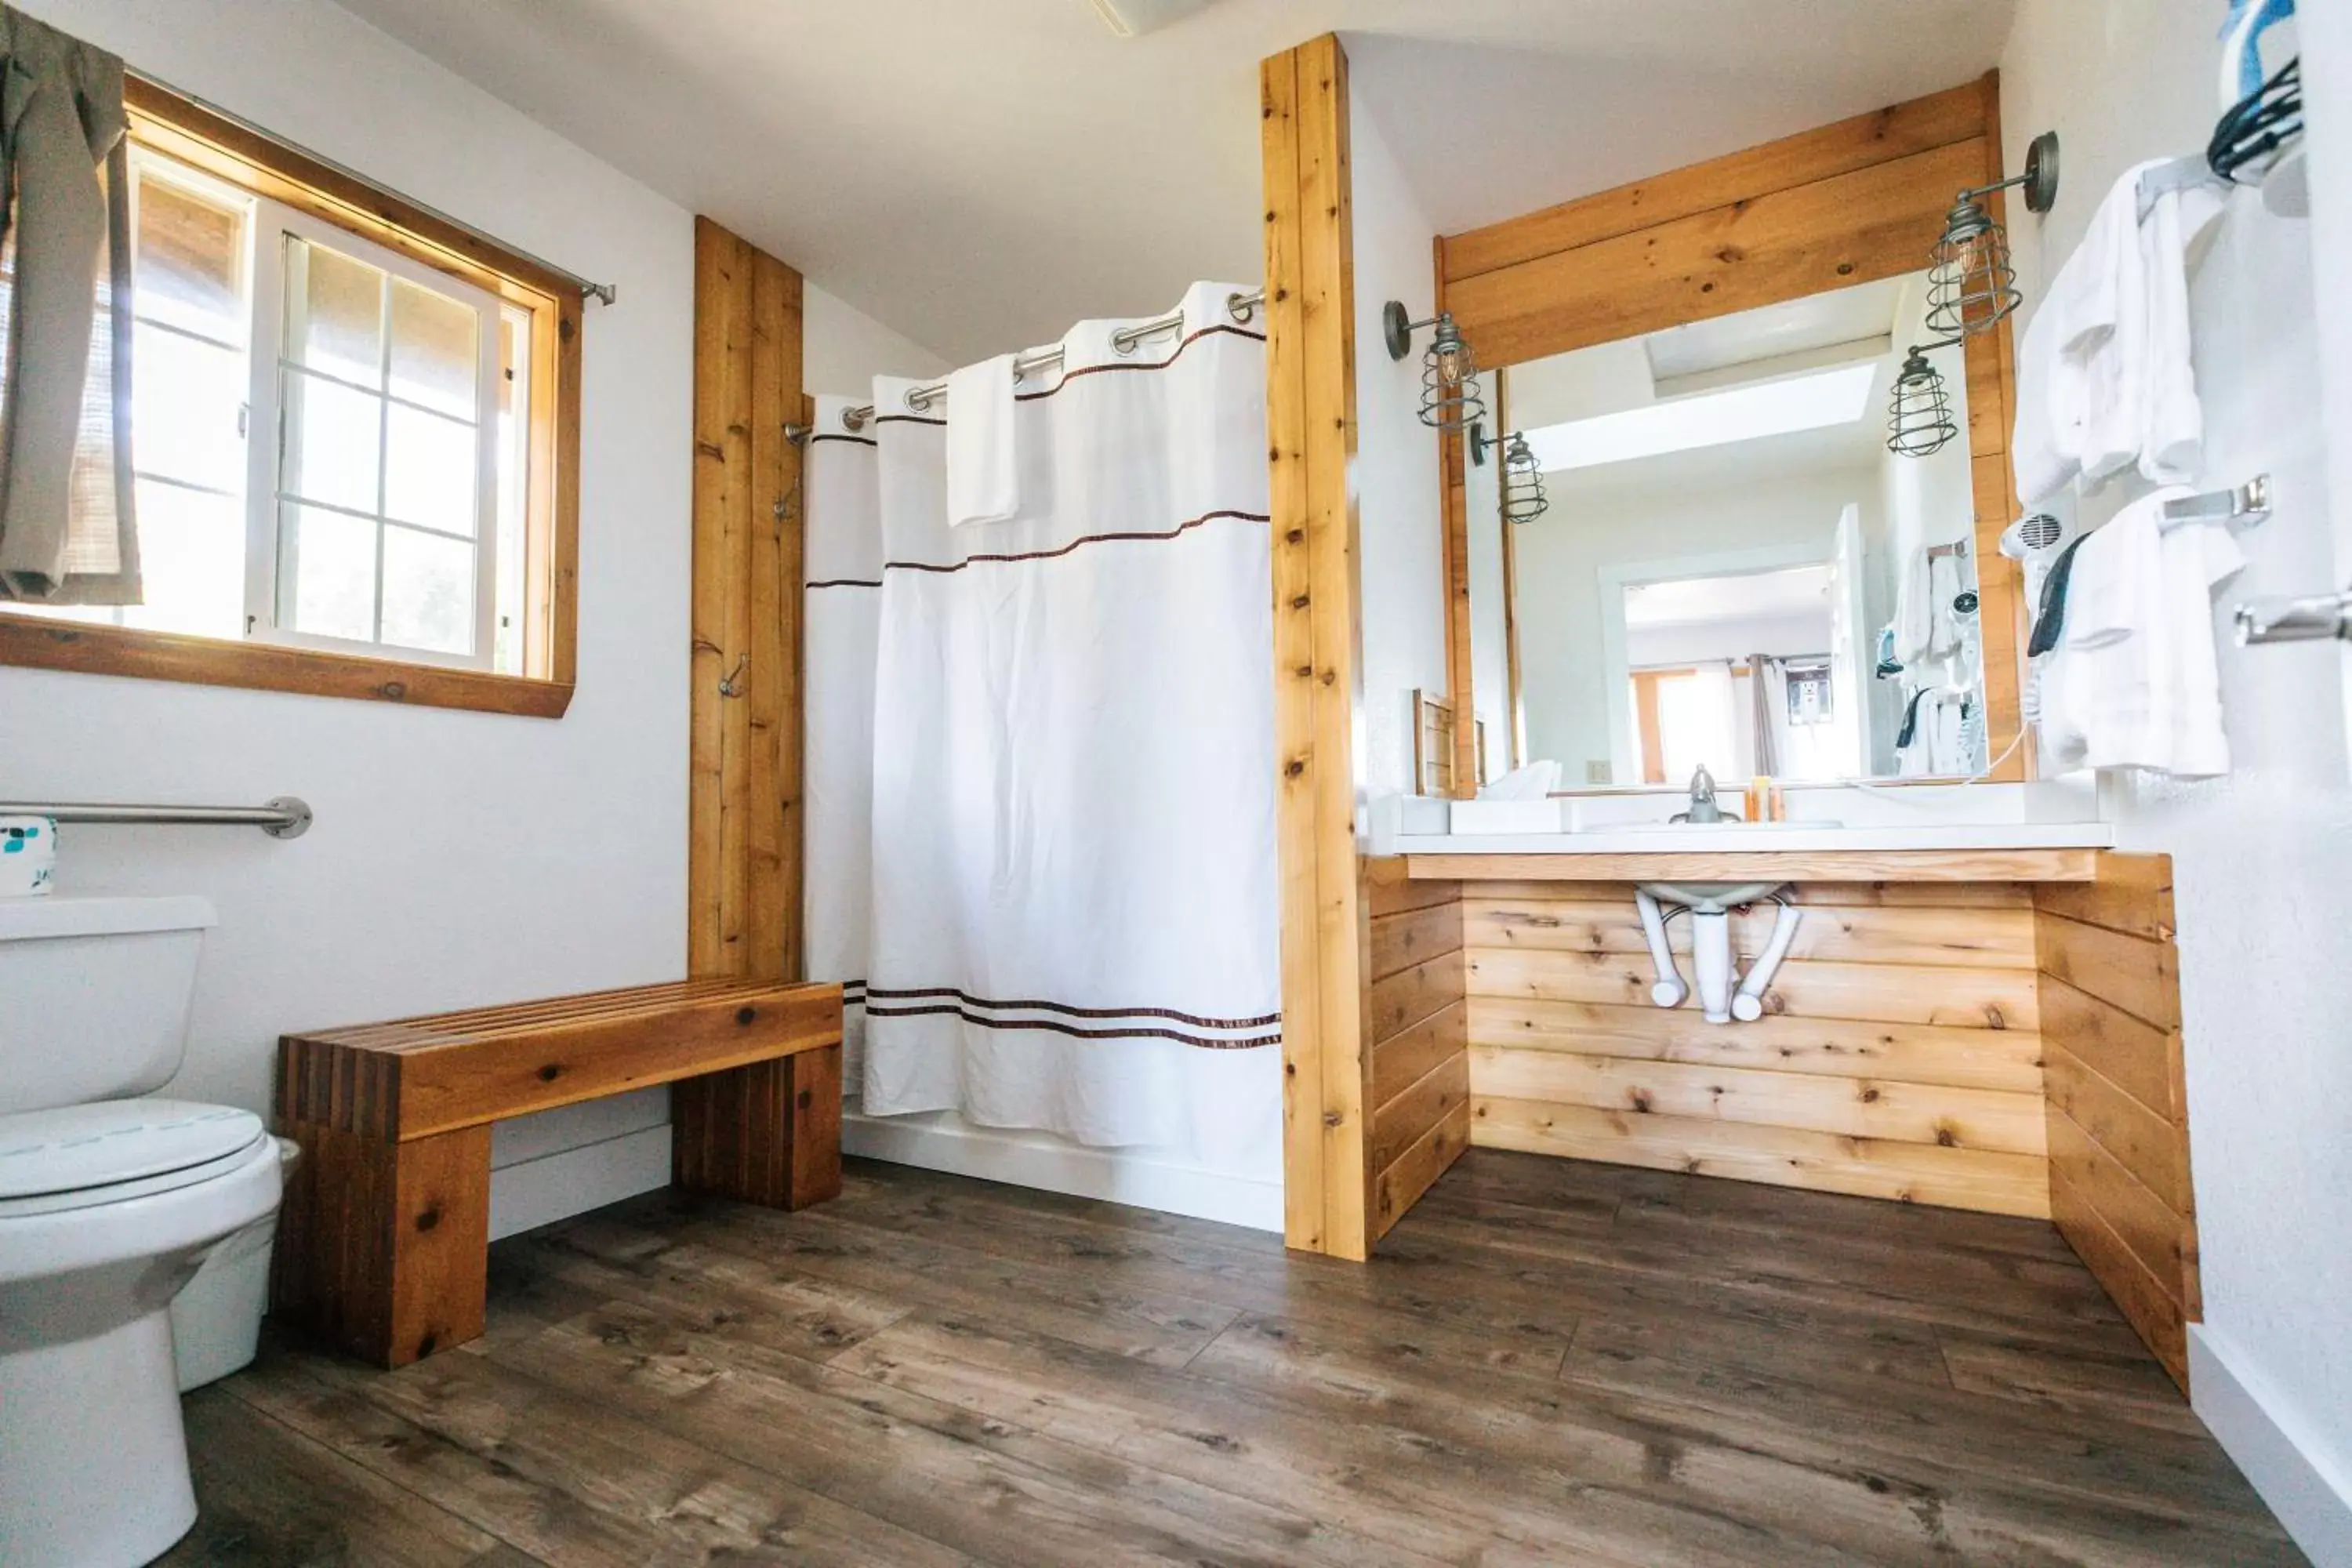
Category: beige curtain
[1764,689]
[66,534]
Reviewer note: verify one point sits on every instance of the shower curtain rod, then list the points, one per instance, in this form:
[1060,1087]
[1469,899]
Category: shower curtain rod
[1242,307]
[603,293]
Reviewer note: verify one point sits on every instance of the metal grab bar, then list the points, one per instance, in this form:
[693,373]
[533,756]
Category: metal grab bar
[286,817]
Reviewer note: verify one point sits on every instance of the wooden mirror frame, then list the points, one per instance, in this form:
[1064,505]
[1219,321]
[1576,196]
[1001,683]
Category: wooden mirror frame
[1850,202]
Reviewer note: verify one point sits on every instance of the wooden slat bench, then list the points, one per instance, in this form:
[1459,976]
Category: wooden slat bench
[383,1242]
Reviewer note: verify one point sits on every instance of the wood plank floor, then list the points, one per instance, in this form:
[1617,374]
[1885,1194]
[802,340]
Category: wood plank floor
[1549,1362]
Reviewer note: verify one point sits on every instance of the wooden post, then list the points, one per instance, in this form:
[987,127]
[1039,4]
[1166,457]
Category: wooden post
[1318,695]
[743,864]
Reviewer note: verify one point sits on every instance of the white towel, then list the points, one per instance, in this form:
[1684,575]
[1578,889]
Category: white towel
[2116,588]
[2076,316]
[2173,430]
[1940,736]
[1915,613]
[2110,345]
[2135,683]
[2105,378]
[1927,626]
[983,464]
[1945,583]
[1535,781]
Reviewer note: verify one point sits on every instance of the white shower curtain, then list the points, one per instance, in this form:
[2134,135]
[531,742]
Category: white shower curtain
[841,604]
[1074,917]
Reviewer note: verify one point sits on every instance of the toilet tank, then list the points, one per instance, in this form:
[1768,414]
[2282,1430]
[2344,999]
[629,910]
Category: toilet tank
[94,995]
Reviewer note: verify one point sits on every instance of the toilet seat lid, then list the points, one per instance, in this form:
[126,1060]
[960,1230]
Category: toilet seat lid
[76,1147]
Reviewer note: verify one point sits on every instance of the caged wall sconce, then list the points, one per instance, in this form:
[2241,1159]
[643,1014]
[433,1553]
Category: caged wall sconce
[1522,483]
[1919,415]
[1970,284]
[1450,398]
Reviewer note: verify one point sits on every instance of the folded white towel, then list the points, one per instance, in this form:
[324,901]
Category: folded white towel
[2105,378]
[2047,447]
[1915,613]
[2075,318]
[2116,588]
[982,461]
[1927,625]
[2173,431]
[1533,782]
[2135,683]
[2111,344]
[1946,580]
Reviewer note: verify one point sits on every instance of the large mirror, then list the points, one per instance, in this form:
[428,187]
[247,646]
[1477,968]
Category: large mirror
[1733,567]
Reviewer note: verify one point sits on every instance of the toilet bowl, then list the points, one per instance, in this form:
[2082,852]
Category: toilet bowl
[109,1203]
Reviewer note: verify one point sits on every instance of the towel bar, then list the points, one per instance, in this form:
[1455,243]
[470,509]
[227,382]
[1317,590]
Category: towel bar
[2247,505]
[283,816]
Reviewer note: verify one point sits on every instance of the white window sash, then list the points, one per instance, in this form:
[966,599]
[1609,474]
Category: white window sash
[273,221]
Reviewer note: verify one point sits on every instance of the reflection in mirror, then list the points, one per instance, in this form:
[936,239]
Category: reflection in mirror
[1735,569]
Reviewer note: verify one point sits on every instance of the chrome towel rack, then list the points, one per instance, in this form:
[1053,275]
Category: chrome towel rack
[284,816]
[2244,507]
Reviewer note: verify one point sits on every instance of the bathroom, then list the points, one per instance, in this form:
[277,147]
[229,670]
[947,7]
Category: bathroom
[1629,1285]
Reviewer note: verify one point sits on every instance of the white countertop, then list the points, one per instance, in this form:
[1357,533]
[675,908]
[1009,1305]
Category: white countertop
[1765,838]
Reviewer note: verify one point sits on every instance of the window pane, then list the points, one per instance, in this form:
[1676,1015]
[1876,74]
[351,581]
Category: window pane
[192,561]
[186,396]
[191,258]
[428,591]
[330,451]
[326,574]
[436,350]
[334,313]
[429,475]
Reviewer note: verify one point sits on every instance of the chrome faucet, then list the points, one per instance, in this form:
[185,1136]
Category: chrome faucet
[1703,808]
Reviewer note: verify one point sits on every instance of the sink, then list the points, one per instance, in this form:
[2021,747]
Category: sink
[1796,825]
[1711,898]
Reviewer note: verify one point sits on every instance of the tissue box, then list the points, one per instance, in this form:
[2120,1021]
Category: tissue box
[28,856]
[1503,816]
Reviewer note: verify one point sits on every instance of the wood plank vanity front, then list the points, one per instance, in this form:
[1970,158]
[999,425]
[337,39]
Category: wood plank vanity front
[1989,1029]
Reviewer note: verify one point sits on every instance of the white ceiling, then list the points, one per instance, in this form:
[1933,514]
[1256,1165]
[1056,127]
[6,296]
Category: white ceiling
[1775,332]
[1789,593]
[978,173]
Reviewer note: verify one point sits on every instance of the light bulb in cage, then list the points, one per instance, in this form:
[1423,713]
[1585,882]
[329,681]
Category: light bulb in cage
[1971,286]
[1522,486]
[1450,397]
[1919,415]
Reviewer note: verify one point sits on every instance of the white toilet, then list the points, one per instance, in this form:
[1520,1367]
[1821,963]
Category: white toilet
[108,1205]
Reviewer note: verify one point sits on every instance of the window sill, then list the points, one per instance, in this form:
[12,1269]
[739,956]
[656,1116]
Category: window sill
[40,644]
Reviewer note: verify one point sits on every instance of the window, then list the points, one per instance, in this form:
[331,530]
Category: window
[345,438]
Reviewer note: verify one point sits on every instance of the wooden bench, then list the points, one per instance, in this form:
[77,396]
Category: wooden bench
[383,1242]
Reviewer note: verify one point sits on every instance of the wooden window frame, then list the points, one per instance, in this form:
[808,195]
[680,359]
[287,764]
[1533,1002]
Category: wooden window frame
[183,130]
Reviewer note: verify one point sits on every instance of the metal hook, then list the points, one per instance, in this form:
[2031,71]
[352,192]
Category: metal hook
[732,686]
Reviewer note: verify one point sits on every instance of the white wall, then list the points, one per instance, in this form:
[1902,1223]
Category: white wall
[1703,642]
[1632,512]
[1401,569]
[843,349]
[459,858]
[2263,861]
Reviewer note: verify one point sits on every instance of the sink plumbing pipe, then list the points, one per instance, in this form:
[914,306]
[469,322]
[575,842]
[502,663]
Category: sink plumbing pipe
[1670,990]
[1748,1003]
[1710,908]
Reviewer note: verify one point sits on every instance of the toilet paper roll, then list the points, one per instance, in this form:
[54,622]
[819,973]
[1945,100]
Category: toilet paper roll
[28,856]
